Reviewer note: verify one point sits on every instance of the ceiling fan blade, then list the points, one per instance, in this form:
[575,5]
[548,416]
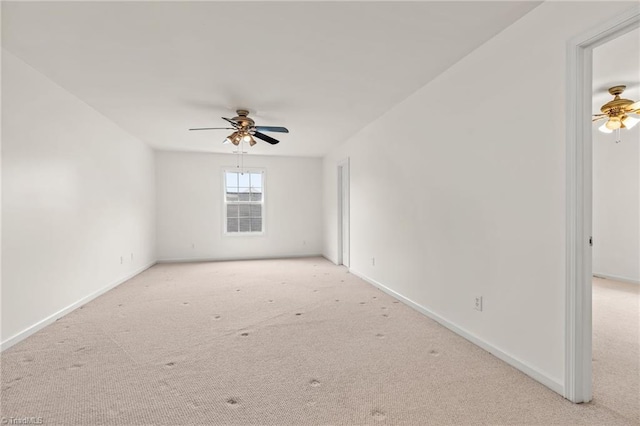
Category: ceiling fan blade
[266,138]
[272,129]
[213,128]
[634,106]
[599,118]
[233,123]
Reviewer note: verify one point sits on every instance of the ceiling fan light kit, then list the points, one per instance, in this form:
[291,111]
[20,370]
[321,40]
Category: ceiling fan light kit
[629,122]
[233,138]
[620,113]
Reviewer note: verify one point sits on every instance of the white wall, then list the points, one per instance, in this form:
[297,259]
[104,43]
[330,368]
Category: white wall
[190,209]
[459,191]
[616,205]
[77,194]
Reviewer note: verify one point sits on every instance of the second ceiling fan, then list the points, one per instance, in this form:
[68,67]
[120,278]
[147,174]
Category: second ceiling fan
[245,130]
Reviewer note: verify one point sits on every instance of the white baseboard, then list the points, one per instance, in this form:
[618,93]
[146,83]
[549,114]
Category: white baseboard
[52,318]
[231,259]
[616,278]
[514,362]
[335,262]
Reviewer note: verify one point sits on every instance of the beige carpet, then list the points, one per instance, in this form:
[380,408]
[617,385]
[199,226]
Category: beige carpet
[616,347]
[282,342]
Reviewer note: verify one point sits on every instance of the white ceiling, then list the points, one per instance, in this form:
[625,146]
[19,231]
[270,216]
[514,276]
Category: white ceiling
[614,63]
[324,69]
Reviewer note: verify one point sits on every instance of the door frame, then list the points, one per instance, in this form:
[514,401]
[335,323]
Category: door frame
[344,226]
[579,182]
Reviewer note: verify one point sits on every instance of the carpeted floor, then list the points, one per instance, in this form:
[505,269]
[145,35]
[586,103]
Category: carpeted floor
[299,342]
[616,347]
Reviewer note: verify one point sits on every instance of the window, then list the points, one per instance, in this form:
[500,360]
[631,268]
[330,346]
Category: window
[244,202]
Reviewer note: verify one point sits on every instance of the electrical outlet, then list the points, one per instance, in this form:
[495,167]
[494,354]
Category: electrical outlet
[132,257]
[373,261]
[121,260]
[478,303]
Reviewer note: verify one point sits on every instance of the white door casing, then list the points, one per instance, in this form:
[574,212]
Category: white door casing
[343,213]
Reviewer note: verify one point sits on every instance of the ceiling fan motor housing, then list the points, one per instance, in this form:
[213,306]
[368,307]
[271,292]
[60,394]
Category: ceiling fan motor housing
[617,106]
[243,121]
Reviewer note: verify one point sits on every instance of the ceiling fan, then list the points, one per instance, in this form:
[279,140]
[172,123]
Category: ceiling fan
[244,130]
[620,113]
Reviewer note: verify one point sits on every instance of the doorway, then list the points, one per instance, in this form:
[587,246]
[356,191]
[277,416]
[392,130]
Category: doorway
[579,327]
[343,213]
[616,231]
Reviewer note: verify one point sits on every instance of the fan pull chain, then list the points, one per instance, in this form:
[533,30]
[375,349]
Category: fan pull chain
[618,135]
[240,157]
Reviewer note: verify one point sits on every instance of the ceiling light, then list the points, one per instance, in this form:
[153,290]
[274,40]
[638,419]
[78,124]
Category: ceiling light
[233,138]
[614,123]
[604,129]
[629,121]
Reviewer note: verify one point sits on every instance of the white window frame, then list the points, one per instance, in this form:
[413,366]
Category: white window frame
[225,202]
